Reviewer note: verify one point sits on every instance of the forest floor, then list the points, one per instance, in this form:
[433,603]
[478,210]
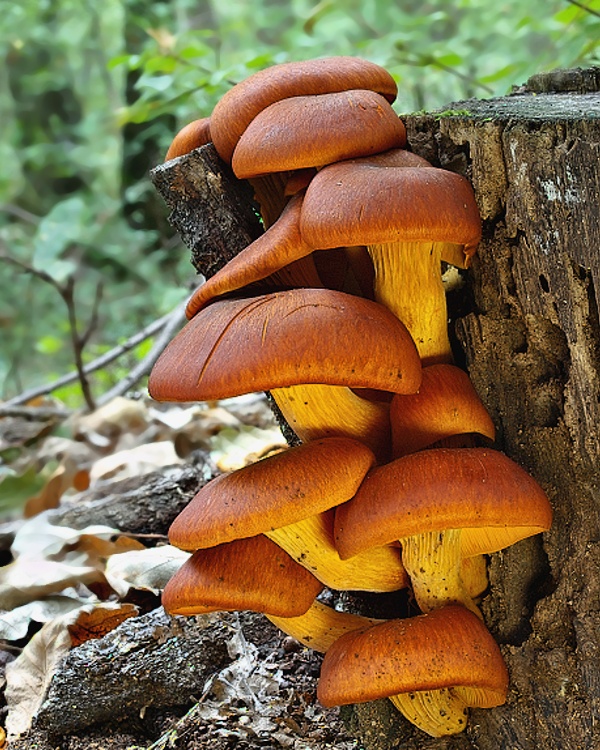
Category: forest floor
[54,576]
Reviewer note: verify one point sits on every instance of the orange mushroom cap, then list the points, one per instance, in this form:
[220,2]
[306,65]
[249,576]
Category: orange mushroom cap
[447,648]
[300,336]
[310,131]
[240,105]
[279,246]
[482,492]
[446,404]
[363,204]
[274,492]
[191,136]
[248,574]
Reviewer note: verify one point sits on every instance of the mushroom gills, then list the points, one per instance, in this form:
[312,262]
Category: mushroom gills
[314,411]
[438,713]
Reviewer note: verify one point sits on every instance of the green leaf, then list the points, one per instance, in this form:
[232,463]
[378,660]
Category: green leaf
[15,491]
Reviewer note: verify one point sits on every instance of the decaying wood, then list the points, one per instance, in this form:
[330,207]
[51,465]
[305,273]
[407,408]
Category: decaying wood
[141,505]
[527,329]
[148,661]
[202,194]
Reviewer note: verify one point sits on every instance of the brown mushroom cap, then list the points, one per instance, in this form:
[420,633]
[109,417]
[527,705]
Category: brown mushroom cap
[286,338]
[482,492]
[448,648]
[363,204]
[191,136]
[310,131]
[239,106]
[248,574]
[279,246]
[446,404]
[274,492]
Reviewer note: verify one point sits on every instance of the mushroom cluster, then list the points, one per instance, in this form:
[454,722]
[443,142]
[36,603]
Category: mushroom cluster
[339,311]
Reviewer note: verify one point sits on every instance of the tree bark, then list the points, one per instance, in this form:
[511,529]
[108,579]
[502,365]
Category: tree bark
[527,329]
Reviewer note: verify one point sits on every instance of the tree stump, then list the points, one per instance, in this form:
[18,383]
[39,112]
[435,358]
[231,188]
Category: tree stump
[527,329]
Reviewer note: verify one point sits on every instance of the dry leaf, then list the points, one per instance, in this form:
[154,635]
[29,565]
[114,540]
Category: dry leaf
[147,570]
[28,578]
[14,624]
[98,621]
[103,427]
[40,539]
[134,462]
[233,449]
[28,676]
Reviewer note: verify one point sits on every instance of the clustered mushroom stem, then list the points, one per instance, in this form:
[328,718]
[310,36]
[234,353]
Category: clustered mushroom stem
[433,563]
[408,281]
[315,411]
[321,625]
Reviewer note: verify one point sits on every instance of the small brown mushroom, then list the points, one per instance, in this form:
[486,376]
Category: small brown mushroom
[248,574]
[445,405]
[311,131]
[191,136]
[432,667]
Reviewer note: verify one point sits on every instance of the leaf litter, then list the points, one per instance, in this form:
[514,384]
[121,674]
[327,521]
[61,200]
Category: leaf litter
[62,586]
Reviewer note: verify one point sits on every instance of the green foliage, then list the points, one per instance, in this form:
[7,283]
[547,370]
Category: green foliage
[91,95]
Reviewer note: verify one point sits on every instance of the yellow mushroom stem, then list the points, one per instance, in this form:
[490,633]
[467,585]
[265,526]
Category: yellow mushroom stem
[320,626]
[439,712]
[310,543]
[315,411]
[408,281]
[436,712]
[433,563]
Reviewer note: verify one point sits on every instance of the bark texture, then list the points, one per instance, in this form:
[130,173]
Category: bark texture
[527,329]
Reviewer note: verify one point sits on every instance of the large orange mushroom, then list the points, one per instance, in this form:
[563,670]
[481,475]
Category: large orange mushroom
[433,667]
[314,349]
[410,219]
[443,505]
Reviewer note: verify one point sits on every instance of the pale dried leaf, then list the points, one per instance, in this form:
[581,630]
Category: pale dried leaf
[14,624]
[175,417]
[235,448]
[147,570]
[134,462]
[28,677]
[29,578]
[38,538]
[117,416]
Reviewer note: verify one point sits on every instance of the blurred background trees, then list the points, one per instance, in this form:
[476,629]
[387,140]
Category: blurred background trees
[92,93]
